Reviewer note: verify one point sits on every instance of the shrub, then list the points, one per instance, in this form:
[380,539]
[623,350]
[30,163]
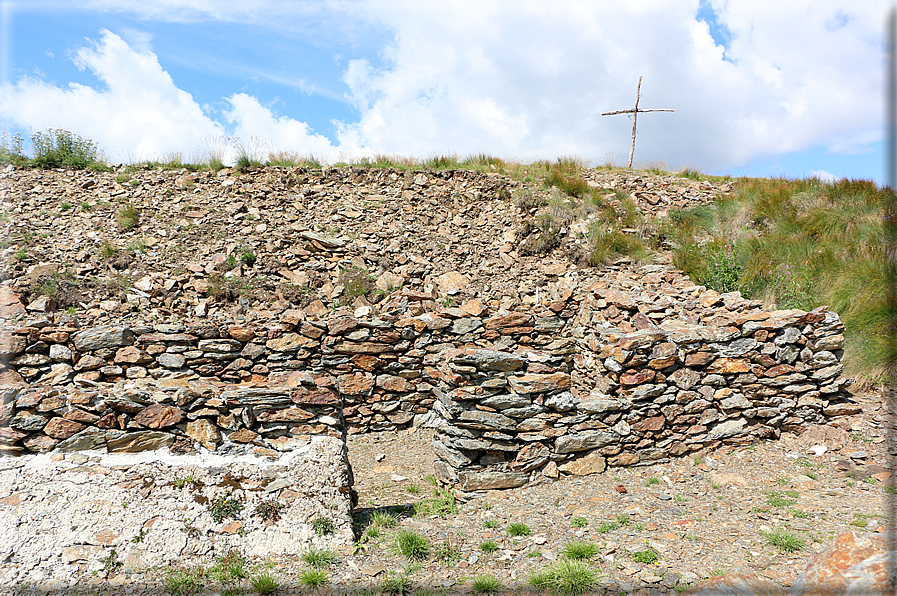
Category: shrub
[11,150]
[411,545]
[57,148]
[566,578]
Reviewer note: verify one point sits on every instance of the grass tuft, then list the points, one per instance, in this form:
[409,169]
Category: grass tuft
[784,540]
[579,550]
[566,578]
[411,545]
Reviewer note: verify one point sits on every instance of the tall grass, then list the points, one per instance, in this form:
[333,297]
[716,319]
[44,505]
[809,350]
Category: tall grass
[798,244]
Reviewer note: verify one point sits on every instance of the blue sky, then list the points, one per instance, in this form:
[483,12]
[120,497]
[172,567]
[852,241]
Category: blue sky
[760,87]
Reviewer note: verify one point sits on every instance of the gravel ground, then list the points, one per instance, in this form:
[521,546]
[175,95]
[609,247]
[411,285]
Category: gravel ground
[701,516]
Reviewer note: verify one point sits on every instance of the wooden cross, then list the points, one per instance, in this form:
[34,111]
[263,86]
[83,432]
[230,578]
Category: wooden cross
[635,112]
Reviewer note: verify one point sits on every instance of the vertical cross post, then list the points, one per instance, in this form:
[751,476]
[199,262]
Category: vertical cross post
[635,112]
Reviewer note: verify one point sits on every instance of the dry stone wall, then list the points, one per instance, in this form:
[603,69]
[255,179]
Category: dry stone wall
[634,366]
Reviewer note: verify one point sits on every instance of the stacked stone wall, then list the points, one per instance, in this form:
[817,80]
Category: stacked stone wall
[634,367]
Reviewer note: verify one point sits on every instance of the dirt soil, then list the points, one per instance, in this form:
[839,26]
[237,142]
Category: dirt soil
[702,516]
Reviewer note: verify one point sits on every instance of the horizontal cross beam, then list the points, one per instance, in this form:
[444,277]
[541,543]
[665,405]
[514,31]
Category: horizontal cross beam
[631,110]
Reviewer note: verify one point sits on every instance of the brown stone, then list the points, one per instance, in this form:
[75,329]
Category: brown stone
[204,432]
[11,344]
[592,463]
[79,415]
[241,333]
[61,428]
[852,564]
[637,377]
[341,325]
[624,459]
[778,370]
[653,424]
[355,384]
[40,443]
[733,584]
[244,435]
[729,366]
[365,362]
[394,384]
[698,359]
[511,320]
[534,383]
[132,355]
[291,414]
[158,416]
[308,397]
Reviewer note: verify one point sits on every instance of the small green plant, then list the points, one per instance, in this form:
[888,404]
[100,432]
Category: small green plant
[519,529]
[225,507]
[799,514]
[128,217]
[313,578]
[180,581]
[622,519]
[784,540]
[182,482]
[490,523]
[652,481]
[323,526]
[679,498]
[485,584]
[488,546]
[579,522]
[268,510]
[782,480]
[534,554]
[778,499]
[567,577]
[372,532]
[264,583]
[139,537]
[411,545]
[395,583]
[447,554]
[383,519]
[229,568]
[442,503]
[647,556]
[579,550]
[891,489]
[111,562]
[607,526]
[65,206]
[859,521]
[319,559]
[717,572]
[412,489]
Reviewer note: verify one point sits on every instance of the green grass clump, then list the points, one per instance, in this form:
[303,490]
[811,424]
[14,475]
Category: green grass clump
[567,577]
[784,540]
[323,526]
[447,553]
[579,522]
[579,550]
[411,545]
[519,529]
[383,519]
[485,584]
[264,583]
[179,581]
[490,523]
[313,578]
[441,503]
[319,559]
[395,583]
[779,499]
[647,556]
[489,546]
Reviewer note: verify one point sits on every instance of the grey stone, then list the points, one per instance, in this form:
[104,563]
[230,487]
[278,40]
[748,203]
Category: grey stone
[60,353]
[490,480]
[739,347]
[171,360]
[729,428]
[490,360]
[139,441]
[549,324]
[466,325]
[788,336]
[453,457]
[508,400]
[97,338]
[27,421]
[88,439]
[486,420]
[598,406]
[584,440]
[562,402]
[735,401]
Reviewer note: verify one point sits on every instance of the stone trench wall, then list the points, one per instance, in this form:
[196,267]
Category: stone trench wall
[633,368]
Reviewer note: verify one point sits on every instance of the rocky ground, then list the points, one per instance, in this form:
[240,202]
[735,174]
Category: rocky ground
[171,246]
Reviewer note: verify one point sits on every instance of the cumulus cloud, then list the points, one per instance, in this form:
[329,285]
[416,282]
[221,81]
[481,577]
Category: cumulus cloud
[515,78]
[823,175]
[141,114]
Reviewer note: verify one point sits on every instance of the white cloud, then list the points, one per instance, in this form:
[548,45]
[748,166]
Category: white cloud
[823,175]
[140,113]
[515,78]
